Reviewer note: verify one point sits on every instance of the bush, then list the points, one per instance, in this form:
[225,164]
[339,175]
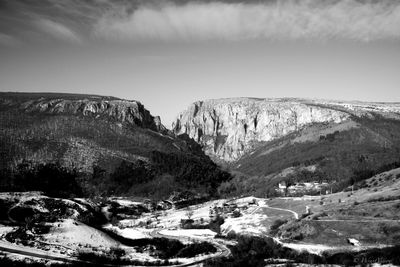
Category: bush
[299,237]
[380,199]
[318,215]
[196,249]
[275,226]
[6,261]
[236,214]
[19,234]
[22,213]
[380,256]
[252,251]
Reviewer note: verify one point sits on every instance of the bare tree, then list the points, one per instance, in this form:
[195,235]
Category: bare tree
[189,213]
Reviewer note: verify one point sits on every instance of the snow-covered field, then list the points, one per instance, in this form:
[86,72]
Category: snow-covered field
[201,213]
[71,233]
[5,230]
[171,218]
[193,233]
[125,202]
[67,235]
[131,233]
[247,224]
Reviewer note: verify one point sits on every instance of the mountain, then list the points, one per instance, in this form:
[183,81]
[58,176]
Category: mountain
[270,140]
[108,145]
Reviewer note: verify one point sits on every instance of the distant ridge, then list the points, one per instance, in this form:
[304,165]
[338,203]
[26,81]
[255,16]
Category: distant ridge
[50,95]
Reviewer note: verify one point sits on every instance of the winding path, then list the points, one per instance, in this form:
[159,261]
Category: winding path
[222,249]
[10,248]
[295,214]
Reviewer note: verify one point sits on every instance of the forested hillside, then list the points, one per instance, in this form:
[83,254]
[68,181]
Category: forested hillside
[96,145]
[339,158]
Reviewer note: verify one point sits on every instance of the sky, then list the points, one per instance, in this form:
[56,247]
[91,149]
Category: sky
[168,54]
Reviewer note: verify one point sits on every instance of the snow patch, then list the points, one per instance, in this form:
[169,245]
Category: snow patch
[131,233]
[70,232]
[195,233]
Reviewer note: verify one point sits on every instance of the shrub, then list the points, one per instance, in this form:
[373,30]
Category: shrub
[236,214]
[276,224]
[298,236]
[318,215]
[117,252]
[21,213]
[196,249]
[231,235]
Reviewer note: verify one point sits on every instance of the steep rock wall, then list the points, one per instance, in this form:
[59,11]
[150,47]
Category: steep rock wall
[124,111]
[228,128]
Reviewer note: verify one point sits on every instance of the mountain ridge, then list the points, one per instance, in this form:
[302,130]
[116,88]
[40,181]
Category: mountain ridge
[259,140]
[115,146]
[130,111]
[221,120]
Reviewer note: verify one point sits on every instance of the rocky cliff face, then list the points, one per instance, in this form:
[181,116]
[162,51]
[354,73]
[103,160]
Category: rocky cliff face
[123,111]
[228,128]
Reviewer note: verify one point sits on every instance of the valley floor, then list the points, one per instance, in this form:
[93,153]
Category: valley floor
[340,222]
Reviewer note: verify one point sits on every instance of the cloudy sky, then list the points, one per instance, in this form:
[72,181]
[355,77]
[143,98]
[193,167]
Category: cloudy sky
[168,54]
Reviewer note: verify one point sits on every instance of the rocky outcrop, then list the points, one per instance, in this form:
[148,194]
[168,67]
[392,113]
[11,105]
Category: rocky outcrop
[122,111]
[228,128]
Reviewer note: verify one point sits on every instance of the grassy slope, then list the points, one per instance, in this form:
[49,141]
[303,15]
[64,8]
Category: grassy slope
[370,214]
[368,146]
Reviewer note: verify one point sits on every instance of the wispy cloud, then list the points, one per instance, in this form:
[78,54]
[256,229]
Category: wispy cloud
[280,20]
[7,40]
[58,31]
[200,20]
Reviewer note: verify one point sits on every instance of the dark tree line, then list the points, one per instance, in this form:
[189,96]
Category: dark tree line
[253,251]
[186,172]
[51,178]
[191,171]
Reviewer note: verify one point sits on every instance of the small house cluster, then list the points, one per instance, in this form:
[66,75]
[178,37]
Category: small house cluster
[230,209]
[301,188]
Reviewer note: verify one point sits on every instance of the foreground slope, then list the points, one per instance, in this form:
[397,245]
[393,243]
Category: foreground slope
[109,145]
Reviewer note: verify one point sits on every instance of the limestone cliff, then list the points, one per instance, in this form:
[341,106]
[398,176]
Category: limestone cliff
[228,128]
[123,111]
